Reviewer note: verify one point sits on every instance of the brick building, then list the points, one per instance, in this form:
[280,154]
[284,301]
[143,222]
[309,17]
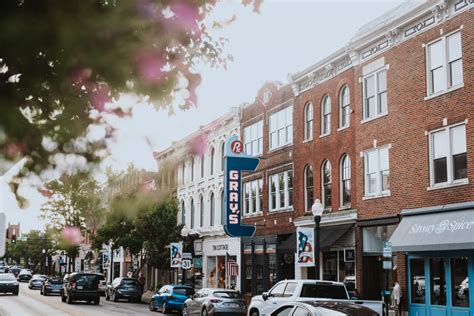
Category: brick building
[13,231]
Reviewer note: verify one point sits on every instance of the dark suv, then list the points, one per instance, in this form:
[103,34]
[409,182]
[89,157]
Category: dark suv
[81,287]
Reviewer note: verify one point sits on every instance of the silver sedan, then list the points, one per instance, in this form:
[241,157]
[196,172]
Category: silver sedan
[215,301]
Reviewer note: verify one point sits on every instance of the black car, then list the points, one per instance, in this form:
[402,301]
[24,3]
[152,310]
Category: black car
[51,285]
[36,281]
[8,284]
[124,288]
[81,287]
[16,270]
[24,275]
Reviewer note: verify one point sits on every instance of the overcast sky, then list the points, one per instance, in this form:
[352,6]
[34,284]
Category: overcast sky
[286,37]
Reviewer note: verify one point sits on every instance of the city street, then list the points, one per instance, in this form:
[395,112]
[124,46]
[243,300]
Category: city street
[30,302]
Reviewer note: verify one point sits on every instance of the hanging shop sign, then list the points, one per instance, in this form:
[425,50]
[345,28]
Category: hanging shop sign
[349,255]
[176,252]
[236,161]
[305,247]
[187,261]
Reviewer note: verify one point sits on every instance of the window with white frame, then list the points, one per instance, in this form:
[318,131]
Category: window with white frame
[281,190]
[308,121]
[327,184]
[201,211]
[375,94]
[212,210]
[309,187]
[183,213]
[281,128]
[222,155]
[192,169]
[183,173]
[376,166]
[253,139]
[202,165]
[448,155]
[444,61]
[326,115]
[192,214]
[345,181]
[253,197]
[223,208]
[344,107]
[211,162]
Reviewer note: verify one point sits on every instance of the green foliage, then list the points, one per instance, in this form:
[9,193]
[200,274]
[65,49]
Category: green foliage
[31,248]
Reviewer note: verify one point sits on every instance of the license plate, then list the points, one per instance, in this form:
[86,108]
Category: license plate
[232,304]
[80,287]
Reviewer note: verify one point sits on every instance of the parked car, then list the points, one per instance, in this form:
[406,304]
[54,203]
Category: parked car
[3,269]
[124,288]
[303,291]
[36,281]
[213,302]
[52,285]
[24,275]
[9,284]
[102,284]
[81,287]
[170,298]
[16,270]
[319,308]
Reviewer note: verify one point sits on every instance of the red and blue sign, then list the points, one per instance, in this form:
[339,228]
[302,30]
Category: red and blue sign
[236,161]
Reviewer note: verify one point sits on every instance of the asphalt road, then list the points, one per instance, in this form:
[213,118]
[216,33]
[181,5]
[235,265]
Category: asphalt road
[30,302]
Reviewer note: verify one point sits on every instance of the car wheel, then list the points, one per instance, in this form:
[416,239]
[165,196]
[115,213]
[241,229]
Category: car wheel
[107,297]
[97,301]
[164,308]
[63,298]
[254,312]
[69,299]
[185,310]
[15,293]
[152,306]
[114,297]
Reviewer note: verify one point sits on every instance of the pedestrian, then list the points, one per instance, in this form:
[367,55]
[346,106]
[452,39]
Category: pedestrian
[397,298]
[141,281]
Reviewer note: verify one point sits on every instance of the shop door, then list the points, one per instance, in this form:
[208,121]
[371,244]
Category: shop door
[440,285]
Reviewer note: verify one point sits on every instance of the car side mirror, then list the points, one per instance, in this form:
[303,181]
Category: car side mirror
[265,296]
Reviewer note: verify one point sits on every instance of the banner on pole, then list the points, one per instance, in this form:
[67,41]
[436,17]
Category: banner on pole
[305,247]
[176,252]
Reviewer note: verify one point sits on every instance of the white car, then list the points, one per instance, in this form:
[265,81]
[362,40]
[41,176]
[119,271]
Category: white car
[305,291]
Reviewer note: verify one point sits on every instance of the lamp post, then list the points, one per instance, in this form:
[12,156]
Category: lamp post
[317,210]
[46,258]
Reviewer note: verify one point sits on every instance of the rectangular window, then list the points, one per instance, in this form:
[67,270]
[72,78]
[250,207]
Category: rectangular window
[281,128]
[377,173]
[444,63]
[253,139]
[281,190]
[448,155]
[375,94]
[253,197]
[417,281]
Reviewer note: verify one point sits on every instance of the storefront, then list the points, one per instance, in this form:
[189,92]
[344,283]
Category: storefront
[266,260]
[439,243]
[220,263]
[337,249]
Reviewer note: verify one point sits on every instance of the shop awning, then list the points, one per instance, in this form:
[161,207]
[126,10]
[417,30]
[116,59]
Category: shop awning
[448,230]
[330,234]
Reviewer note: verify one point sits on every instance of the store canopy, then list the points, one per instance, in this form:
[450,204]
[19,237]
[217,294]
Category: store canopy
[330,234]
[448,230]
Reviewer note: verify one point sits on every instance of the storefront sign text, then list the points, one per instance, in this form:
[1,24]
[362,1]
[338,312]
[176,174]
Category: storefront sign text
[442,227]
[220,247]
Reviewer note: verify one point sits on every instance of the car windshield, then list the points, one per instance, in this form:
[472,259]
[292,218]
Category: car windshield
[129,283]
[55,281]
[40,277]
[227,294]
[333,291]
[7,277]
[182,290]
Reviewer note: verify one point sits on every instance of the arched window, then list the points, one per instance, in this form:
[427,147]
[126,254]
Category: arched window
[222,155]
[192,169]
[326,115]
[344,107]
[183,213]
[211,167]
[309,187]
[183,173]
[192,214]
[201,211]
[326,180]
[308,121]
[212,210]
[202,165]
[345,181]
[223,208]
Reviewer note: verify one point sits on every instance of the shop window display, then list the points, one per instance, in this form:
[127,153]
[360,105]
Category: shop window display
[459,282]
[417,281]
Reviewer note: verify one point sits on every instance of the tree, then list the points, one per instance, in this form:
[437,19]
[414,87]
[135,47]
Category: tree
[62,61]
[31,248]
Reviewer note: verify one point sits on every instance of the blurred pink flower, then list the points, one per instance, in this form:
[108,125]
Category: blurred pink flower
[99,96]
[81,76]
[198,145]
[149,65]
[186,16]
[72,235]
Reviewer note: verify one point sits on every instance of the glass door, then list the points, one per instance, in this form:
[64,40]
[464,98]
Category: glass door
[437,286]
[459,275]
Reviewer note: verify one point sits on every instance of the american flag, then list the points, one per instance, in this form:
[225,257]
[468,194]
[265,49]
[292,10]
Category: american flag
[232,267]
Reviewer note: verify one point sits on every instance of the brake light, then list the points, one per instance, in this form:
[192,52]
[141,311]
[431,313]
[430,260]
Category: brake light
[215,301]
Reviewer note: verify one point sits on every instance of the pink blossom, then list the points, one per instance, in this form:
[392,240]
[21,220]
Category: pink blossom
[72,235]
[186,16]
[149,65]
[198,145]
[99,96]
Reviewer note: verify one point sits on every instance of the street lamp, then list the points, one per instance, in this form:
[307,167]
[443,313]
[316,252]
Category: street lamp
[317,210]
[44,265]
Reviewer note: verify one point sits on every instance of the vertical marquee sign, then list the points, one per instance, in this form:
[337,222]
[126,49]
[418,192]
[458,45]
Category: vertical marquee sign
[236,161]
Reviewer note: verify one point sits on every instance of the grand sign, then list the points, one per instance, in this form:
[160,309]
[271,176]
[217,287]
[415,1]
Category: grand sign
[236,161]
